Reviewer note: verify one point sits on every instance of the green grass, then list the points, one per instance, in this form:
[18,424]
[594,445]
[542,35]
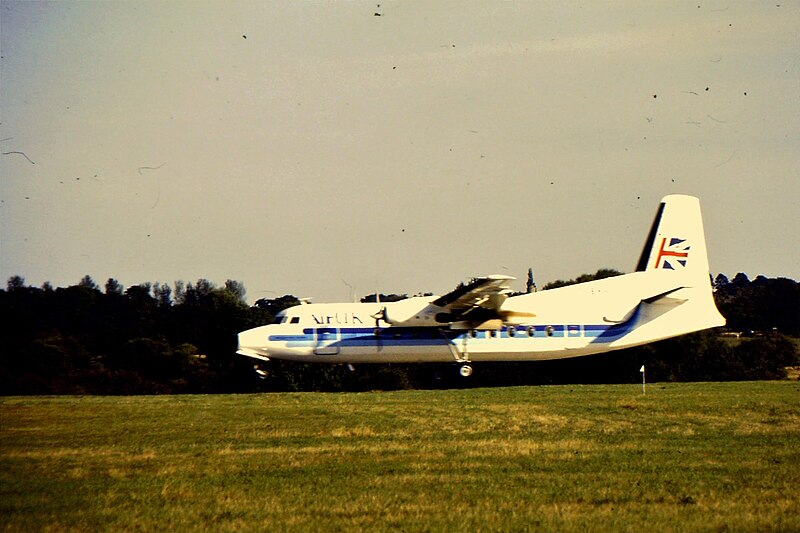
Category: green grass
[686,457]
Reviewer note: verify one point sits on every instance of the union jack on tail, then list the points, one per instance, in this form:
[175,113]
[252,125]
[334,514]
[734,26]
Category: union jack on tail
[673,256]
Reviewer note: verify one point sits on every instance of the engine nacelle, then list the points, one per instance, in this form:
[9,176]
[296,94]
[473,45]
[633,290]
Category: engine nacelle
[416,311]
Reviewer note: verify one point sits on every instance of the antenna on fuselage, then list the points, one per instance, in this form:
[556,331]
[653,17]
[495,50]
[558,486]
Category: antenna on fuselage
[352,290]
[380,315]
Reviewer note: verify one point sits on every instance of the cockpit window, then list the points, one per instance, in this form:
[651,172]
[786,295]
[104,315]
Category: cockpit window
[279,319]
[295,320]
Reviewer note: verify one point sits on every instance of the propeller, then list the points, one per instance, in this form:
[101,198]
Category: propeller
[380,315]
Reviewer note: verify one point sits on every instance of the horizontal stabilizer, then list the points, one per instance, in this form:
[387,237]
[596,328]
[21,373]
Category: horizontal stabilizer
[664,297]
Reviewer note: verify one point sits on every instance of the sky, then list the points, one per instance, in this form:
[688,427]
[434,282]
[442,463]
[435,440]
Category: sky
[334,149]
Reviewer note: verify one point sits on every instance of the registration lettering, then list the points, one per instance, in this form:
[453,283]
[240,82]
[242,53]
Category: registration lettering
[337,319]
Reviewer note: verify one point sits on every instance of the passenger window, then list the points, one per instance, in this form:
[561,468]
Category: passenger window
[531,331]
[549,330]
[512,331]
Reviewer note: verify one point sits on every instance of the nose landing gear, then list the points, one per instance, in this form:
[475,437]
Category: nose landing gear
[465,371]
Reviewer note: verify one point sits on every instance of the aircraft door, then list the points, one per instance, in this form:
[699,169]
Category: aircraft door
[327,341]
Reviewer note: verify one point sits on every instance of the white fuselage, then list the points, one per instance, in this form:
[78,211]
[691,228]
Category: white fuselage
[669,294]
[582,319]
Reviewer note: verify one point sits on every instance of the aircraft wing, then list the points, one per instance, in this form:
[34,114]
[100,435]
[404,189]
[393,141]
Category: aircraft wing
[485,293]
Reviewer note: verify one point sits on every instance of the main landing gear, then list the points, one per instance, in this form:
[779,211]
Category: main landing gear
[461,356]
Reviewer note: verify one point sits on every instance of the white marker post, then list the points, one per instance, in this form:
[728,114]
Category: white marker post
[643,381]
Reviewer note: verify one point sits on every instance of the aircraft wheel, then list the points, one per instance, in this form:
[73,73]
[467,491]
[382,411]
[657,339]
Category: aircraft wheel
[465,371]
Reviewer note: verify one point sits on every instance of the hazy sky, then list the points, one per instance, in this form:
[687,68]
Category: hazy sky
[319,150]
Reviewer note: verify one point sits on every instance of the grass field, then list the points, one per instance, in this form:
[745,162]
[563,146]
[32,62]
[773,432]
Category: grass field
[686,457]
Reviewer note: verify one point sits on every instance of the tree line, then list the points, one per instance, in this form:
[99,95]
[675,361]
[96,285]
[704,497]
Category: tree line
[156,338]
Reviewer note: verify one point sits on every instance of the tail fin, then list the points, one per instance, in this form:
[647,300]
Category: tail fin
[676,249]
[676,240]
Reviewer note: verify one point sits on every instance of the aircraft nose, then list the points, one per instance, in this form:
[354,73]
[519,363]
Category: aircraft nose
[253,343]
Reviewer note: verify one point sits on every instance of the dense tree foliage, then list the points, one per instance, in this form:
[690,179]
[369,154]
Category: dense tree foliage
[764,304]
[135,340]
[157,338]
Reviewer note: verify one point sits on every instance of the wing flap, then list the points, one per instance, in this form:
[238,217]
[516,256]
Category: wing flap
[486,292]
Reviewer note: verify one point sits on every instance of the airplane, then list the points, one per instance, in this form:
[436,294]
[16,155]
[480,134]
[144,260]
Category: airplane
[669,294]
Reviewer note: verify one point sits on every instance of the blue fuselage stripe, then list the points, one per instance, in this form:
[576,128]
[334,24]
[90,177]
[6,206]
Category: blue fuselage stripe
[421,336]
